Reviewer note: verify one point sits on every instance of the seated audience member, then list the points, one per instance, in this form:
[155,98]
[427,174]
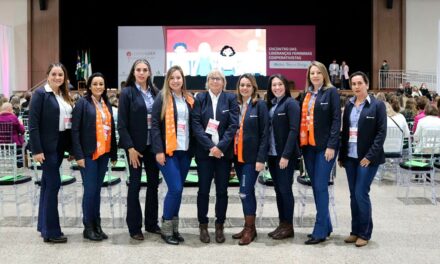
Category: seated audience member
[7,116]
[410,110]
[431,120]
[396,119]
[421,102]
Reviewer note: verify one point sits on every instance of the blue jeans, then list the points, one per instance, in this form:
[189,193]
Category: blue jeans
[359,182]
[174,172]
[207,169]
[93,177]
[282,181]
[319,171]
[247,176]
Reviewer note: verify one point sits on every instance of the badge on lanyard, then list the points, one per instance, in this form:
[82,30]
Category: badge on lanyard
[68,122]
[149,121]
[181,126]
[353,135]
[106,131]
[212,127]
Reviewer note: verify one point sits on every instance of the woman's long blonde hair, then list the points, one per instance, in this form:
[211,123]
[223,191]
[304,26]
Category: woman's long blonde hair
[166,90]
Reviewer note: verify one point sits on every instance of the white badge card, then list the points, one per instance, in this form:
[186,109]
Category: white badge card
[181,126]
[68,122]
[149,121]
[212,126]
[353,135]
[106,131]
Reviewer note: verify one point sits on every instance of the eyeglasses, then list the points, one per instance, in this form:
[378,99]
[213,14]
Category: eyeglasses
[215,79]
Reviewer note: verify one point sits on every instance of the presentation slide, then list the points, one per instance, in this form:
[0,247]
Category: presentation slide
[263,50]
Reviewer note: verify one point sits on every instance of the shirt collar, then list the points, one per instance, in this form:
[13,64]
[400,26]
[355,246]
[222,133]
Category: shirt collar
[276,100]
[311,89]
[368,99]
[213,95]
[139,87]
[47,88]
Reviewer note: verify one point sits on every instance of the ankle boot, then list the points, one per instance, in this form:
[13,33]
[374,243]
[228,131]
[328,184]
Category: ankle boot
[270,234]
[249,231]
[167,232]
[89,233]
[204,235]
[219,235]
[176,233]
[285,231]
[98,229]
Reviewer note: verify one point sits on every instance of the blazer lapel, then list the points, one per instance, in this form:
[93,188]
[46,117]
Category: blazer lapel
[220,103]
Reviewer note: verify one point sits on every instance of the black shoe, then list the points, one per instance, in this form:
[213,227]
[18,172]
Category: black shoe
[310,235]
[154,230]
[98,229]
[170,240]
[178,237]
[139,236]
[90,233]
[60,239]
[313,241]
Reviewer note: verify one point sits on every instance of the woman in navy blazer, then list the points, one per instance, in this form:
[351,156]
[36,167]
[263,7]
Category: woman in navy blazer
[283,151]
[250,150]
[172,131]
[214,123]
[85,139]
[319,140]
[363,135]
[49,129]
[134,124]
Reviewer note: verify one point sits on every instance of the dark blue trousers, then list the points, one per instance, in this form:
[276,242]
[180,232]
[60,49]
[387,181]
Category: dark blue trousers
[134,211]
[319,171]
[48,217]
[359,182]
[247,177]
[93,177]
[174,171]
[220,170]
[283,181]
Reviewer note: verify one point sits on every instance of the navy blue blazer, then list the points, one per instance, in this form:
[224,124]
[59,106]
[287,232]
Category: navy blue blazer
[372,130]
[326,118]
[84,129]
[44,120]
[256,133]
[158,126]
[132,119]
[227,114]
[285,124]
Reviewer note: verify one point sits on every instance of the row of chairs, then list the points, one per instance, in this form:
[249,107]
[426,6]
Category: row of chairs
[413,163]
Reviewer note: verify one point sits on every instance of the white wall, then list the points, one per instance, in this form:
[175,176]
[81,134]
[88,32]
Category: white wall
[14,13]
[422,18]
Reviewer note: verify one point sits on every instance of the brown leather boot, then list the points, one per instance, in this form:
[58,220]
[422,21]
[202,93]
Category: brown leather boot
[249,231]
[270,234]
[285,231]
[204,235]
[219,235]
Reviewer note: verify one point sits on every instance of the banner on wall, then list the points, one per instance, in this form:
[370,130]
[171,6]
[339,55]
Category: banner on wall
[234,50]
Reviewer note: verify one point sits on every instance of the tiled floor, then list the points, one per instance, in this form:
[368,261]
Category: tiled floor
[402,234]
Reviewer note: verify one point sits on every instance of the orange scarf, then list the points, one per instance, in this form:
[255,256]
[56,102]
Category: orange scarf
[307,129]
[170,129]
[103,142]
[238,150]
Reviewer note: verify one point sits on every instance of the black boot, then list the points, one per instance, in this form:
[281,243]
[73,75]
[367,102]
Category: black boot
[167,233]
[176,233]
[98,229]
[90,233]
